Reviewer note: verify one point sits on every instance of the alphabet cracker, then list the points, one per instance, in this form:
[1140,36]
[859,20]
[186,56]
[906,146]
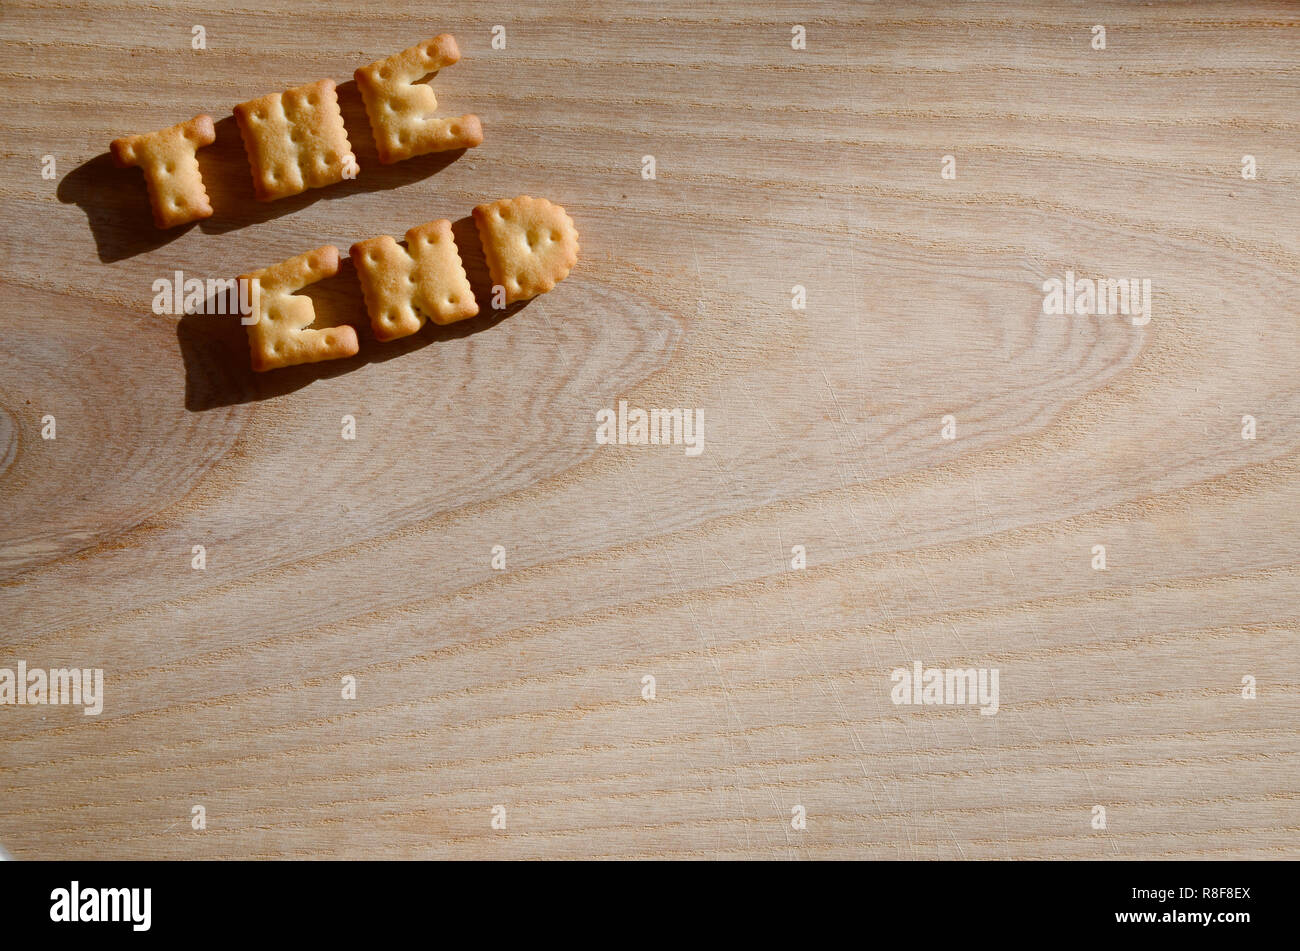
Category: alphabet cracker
[530,244]
[171,170]
[401,108]
[279,337]
[403,288]
[296,140]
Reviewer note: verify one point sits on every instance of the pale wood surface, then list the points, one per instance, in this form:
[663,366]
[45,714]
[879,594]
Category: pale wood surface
[776,167]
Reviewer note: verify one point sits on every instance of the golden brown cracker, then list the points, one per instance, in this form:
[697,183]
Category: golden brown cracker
[280,334]
[295,140]
[401,108]
[404,287]
[530,244]
[171,169]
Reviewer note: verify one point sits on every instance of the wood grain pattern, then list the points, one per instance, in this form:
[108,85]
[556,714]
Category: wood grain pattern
[523,688]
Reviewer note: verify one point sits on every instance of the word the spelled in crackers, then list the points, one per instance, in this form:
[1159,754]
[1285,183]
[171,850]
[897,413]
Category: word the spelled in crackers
[403,288]
[530,244]
[295,140]
[280,333]
[401,108]
[171,169]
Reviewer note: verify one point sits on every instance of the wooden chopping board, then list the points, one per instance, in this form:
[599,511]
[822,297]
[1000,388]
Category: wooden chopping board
[506,712]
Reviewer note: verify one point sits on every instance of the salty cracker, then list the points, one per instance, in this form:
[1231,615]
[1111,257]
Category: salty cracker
[295,140]
[401,107]
[279,334]
[171,169]
[530,244]
[404,287]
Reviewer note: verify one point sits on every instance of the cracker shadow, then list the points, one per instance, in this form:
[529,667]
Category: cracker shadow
[116,202]
[214,344]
